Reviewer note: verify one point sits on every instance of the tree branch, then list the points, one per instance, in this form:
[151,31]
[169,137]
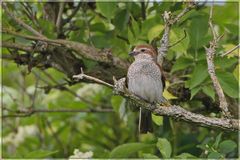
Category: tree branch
[80,49]
[231,50]
[18,46]
[27,113]
[210,52]
[169,21]
[59,18]
[82,76]
[177,112]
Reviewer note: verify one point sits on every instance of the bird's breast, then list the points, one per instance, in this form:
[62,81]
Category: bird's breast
[144,80]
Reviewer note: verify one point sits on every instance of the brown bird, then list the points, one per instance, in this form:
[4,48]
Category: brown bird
[146,80]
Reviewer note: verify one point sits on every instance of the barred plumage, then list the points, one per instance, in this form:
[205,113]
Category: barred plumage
[145,80]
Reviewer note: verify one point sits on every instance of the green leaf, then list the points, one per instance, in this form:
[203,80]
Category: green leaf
[164,147]
[218,139]
[181,63]
[135,27]
[131,37]
[107,9]
[158,120]
[100,41]
[228,83]
[121,20]
[185,156]
[155,32]
[40,154]
[225,62]
[198,31]
[48,28]
[150,156]
[208,90]
[215,155]
[194,91]
[236,72]
[199,74]
[227,146]
[126,150]
[175,35]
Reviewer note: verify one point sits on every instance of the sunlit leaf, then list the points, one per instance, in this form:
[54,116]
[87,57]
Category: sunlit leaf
[158,120]
[150,156]
[107,9]
[199,74]
[185,156]
[228,83]
[155,31]
[126,150]
[164,147]
[40,154]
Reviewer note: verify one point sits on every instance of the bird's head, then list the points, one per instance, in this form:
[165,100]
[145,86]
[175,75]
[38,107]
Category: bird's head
[144,51]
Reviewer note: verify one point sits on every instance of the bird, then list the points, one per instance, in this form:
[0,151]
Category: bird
[146,80]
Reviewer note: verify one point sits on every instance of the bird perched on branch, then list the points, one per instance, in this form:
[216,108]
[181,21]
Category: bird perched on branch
[146,80]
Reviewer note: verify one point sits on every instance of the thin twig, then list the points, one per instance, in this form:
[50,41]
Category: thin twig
[211,24]
[20,22]
[82,76]
[231,50]
[62,87]
[29,112]
[18,46]
[59,18]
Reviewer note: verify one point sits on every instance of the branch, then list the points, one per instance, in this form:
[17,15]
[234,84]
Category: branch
[59,18]
[79,49]
[27,113]
[20,22]
[18,46]
[231,50]
[82,76]
[169,21]
[177,112]
[210,52]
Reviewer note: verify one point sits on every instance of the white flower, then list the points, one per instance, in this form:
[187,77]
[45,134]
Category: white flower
[81,155]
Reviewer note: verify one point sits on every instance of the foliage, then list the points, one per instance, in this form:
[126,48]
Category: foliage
[120,26]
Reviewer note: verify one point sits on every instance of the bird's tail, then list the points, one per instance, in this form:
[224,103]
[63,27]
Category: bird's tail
[145,121]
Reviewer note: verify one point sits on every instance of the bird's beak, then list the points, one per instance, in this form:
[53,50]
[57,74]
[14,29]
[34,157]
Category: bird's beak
[133,53]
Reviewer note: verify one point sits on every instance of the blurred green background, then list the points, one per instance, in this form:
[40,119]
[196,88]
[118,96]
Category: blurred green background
[113,132]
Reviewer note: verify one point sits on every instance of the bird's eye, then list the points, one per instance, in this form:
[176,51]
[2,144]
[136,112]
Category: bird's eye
[143,50]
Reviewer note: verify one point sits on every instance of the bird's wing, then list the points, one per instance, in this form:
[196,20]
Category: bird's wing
[163,78]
